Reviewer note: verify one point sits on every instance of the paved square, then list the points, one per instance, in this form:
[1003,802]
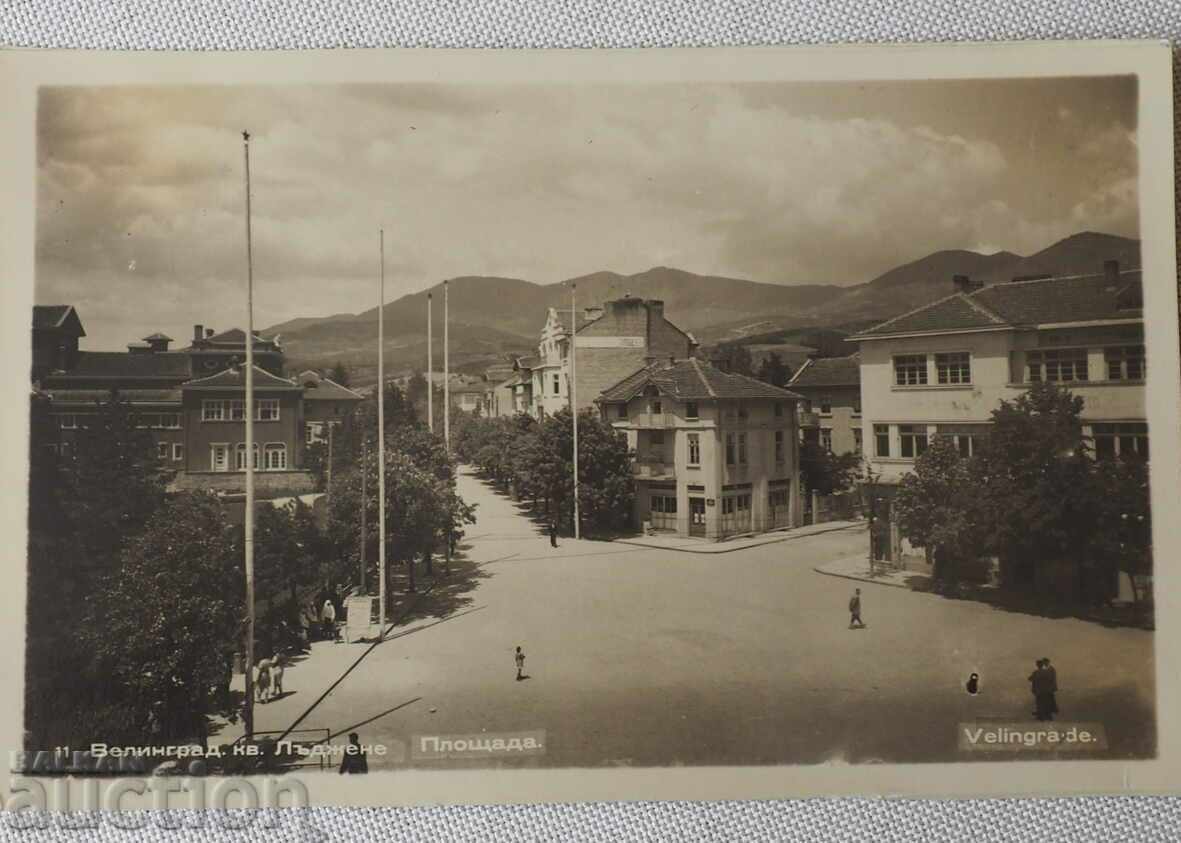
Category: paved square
[651,657]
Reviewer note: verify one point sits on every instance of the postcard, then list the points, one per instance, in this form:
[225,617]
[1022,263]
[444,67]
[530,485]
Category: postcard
[411,427]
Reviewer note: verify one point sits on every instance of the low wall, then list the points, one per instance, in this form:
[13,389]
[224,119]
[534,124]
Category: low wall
[267,484]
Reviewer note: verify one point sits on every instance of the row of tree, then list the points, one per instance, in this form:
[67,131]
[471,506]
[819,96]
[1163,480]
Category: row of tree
[136,595]
[1035,497]
[535,461]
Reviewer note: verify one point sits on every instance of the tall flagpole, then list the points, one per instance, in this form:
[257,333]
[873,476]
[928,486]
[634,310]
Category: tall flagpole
[248,718]
[430,369]
[446,374]
[381,442]
[364,506]
[574,396]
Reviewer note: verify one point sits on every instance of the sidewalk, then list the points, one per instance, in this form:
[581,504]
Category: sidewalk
[694,544]
[857,568]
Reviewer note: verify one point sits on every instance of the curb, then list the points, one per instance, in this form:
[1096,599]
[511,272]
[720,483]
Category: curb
[721,549]
[862,579]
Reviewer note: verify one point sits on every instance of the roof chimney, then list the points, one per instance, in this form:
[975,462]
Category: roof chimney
[655,307]
[209,332]
[1111,272]
[198,332]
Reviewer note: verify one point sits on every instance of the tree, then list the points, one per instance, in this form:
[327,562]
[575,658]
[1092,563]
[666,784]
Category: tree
[826,473]
[339,373]
[734,358]
[774,371]
[937,508]
[1034,478]
[166,623]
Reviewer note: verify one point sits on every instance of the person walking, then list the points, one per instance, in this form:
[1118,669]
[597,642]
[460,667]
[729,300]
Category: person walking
[520,659]
[553,533]
[1043,682]
[277,677]
[328,618]
[1051,688]
[262,682]
[354,760]
[855,610]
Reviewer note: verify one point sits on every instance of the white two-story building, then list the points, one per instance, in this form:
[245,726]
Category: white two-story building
[943,368]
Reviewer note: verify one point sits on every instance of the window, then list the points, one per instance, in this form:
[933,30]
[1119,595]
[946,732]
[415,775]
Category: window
[69,422]
[1120,440]
[741,410]
[557,384]
[779,446]
[729,449]
[266,409]
[826,439]
[656,437]
[694,449]
[881,435]
[664,503]
[691,410]
[143,421]
[910,370]
[777,498]
[1125,363]
[219,457]
[742,449]
[1057,365]
[657,408]
[912,439]
[955,367]
[276,456]
[178,451]
[621,411]
[825,406]
[170,421]
[778,409]
[857,406]
[240,457]
[237,410]
[162,450]
[214,410]
[857,440]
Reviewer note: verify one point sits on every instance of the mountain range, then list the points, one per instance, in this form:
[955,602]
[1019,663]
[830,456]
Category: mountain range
[493,316]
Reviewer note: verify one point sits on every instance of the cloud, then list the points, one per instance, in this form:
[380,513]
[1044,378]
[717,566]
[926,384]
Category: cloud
[542,182]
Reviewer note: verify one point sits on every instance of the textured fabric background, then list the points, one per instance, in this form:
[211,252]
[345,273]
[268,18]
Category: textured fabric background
[221,24]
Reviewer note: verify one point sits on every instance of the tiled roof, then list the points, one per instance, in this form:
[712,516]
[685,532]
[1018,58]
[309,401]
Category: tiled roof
[236,379]
[528,362]
[1075,298]
[233,337]
[829,371]
[692,379]
[330,390]
[158,336]
[121,364]
[50,315]
[135,396]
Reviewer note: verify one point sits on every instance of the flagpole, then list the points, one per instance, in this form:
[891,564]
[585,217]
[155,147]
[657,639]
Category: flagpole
[364,506]
[446,372]
[574,396]
[381,442]
[430,369]
[248,718]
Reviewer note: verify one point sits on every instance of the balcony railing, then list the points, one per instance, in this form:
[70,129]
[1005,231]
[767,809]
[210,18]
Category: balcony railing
[653,466]
[653,420]
[809,419]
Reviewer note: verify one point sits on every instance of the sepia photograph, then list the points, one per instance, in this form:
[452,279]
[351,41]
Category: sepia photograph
[494,424]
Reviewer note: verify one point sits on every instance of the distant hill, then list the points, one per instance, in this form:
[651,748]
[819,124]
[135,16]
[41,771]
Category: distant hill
[492,317]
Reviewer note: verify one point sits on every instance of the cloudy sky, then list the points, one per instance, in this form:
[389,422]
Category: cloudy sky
[141,198]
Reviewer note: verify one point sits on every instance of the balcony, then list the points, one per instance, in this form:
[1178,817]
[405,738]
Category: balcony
[809,419]
[653,467]
[652,421]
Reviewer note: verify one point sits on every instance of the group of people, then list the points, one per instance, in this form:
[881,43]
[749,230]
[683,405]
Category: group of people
[1044,684]
[268,679]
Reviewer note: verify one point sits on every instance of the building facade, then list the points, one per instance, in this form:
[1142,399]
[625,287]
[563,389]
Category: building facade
[716,454]
[325,404]
[942,369]
[613,341]
[190,400]
[830,412]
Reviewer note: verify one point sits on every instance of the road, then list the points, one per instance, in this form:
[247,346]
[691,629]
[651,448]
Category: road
[646,657]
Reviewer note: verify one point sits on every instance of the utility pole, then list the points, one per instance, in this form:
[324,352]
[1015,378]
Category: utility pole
[574,396]
[430,369]
[248,715]
[446,373]
[381,441]
[364,507]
